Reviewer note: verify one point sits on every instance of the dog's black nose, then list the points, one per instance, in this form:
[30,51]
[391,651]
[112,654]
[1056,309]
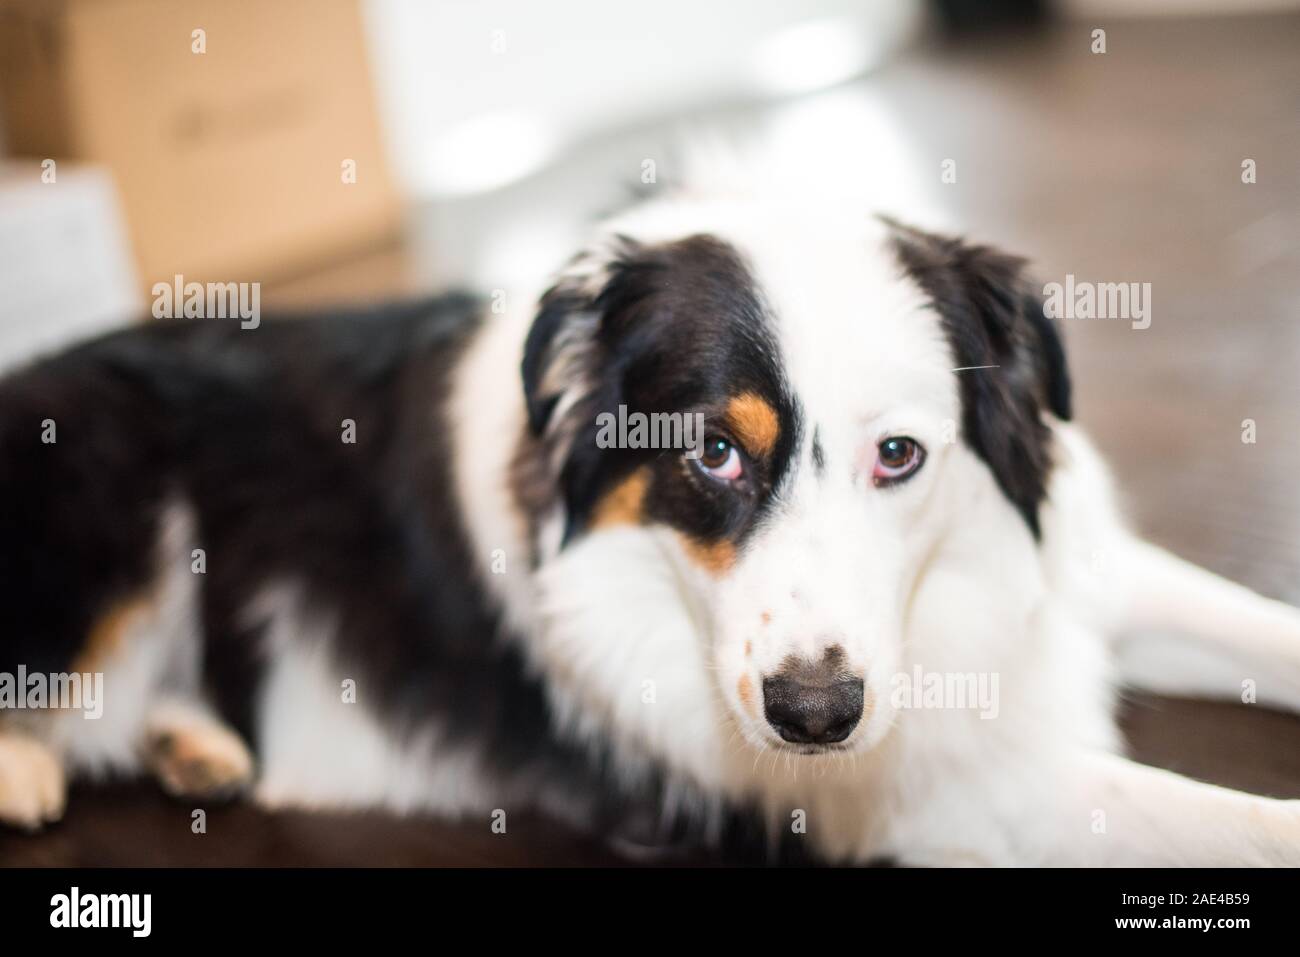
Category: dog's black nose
[813,703]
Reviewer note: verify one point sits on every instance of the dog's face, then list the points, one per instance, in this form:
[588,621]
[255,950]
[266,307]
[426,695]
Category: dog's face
[831,361]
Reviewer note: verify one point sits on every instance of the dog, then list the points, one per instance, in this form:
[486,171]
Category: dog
[388,559]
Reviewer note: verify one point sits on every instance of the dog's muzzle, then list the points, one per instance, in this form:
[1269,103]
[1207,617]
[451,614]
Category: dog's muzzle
[810,702]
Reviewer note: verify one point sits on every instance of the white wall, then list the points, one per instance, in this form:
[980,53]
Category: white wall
[475,93]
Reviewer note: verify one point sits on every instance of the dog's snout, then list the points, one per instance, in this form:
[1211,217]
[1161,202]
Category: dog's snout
[813,702]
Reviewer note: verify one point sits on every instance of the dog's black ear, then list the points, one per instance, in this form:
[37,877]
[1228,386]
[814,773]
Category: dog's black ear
[993,317]
[559,308]
[569,376]
[564,347]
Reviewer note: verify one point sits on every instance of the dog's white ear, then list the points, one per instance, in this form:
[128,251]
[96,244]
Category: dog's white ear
[1010,351]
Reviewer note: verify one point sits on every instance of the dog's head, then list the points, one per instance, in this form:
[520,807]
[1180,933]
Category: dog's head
[862,387]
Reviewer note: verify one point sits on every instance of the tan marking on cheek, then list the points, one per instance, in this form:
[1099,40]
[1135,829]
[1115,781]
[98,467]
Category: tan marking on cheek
[749,648]
[623,504]
[766,617]
[745,689]
[106,634]
[716,558]
[754,423]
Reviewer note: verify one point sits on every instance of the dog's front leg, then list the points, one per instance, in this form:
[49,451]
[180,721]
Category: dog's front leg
[1242,645]
[1115,812]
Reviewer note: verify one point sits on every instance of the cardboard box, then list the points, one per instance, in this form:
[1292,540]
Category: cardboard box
[228,146]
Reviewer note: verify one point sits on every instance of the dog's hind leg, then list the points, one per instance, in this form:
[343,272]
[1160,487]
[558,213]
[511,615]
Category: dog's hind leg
[192,753]
[1184,630]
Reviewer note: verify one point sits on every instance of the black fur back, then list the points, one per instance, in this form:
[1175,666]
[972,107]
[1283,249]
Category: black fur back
[245,427]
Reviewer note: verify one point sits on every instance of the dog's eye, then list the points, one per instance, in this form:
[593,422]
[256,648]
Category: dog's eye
[898,458]
[720,459]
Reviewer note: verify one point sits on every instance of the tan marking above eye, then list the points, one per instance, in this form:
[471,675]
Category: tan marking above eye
[624,503]
[754,423]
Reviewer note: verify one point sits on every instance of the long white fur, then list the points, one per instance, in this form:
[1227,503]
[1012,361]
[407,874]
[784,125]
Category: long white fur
[942,573]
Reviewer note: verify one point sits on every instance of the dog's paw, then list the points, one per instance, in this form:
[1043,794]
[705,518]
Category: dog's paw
[33,790]
[201,759]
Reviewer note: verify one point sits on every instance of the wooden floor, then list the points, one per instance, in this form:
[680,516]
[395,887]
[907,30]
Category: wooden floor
[1122,167]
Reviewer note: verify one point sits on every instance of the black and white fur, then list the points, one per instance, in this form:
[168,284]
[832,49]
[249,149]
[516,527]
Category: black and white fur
[530,620]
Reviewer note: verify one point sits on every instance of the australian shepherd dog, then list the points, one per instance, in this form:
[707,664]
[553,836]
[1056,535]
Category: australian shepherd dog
[875,605]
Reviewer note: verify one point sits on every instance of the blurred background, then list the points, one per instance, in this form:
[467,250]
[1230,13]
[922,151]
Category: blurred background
[355,150]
